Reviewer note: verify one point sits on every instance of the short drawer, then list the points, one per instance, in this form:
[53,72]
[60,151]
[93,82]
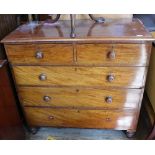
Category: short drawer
[121,120]
[40,54]
[129,77]
[117,54]
[80,97]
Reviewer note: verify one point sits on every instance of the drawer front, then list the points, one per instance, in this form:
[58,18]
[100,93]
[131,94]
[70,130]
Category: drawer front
[80,97]
[118,54]
[40,54]
[130,77]
[80,118]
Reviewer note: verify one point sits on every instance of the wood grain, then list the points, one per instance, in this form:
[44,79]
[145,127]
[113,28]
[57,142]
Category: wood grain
[69,85]
[79,97]
[129,77]
[52,54]
[121,30]
[125,54]
[120,120]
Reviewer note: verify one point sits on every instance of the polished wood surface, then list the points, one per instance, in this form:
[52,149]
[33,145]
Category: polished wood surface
[124,30]
[124,54]
[129,77]
[50,54]
[86,54]
[80,118]
[95,80]
[79,97]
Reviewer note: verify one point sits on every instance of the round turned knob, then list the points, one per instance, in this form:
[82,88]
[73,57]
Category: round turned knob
[39,55]
[51,117]
[108,99]
[46,98]
[110,78]
[108,119]
[112,55]
[42,77]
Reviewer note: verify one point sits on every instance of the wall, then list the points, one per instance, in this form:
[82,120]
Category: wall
[85,16]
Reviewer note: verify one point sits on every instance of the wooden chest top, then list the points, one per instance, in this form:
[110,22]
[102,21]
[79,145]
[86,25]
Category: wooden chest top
[124,30]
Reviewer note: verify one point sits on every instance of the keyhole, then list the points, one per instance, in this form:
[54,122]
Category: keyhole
[77,90]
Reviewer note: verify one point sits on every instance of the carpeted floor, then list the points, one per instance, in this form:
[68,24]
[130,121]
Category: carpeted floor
[76,134]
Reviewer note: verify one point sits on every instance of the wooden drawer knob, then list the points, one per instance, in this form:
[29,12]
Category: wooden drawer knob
[108,99]
[108,119]
[46,98]
[39,55]
[42,77]
[51,117]
[110,78]
[112,55]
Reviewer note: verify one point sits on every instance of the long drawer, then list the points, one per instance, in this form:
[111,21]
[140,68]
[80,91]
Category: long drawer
[40,54]
[116,54]
[80,97]
[121,120]
[129,77]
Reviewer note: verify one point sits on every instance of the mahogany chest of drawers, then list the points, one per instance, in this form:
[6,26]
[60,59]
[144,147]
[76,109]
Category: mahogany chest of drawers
[95,80]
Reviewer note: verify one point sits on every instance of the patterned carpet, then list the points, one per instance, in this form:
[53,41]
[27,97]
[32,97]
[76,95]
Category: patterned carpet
[76,134]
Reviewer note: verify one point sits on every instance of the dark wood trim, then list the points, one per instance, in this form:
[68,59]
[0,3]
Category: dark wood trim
[81,40]
[85,108]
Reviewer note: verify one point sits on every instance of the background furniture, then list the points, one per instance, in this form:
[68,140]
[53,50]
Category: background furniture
[150,83]
[95,80]
[150,89]
[151,136]
[149,22]
[10,121]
